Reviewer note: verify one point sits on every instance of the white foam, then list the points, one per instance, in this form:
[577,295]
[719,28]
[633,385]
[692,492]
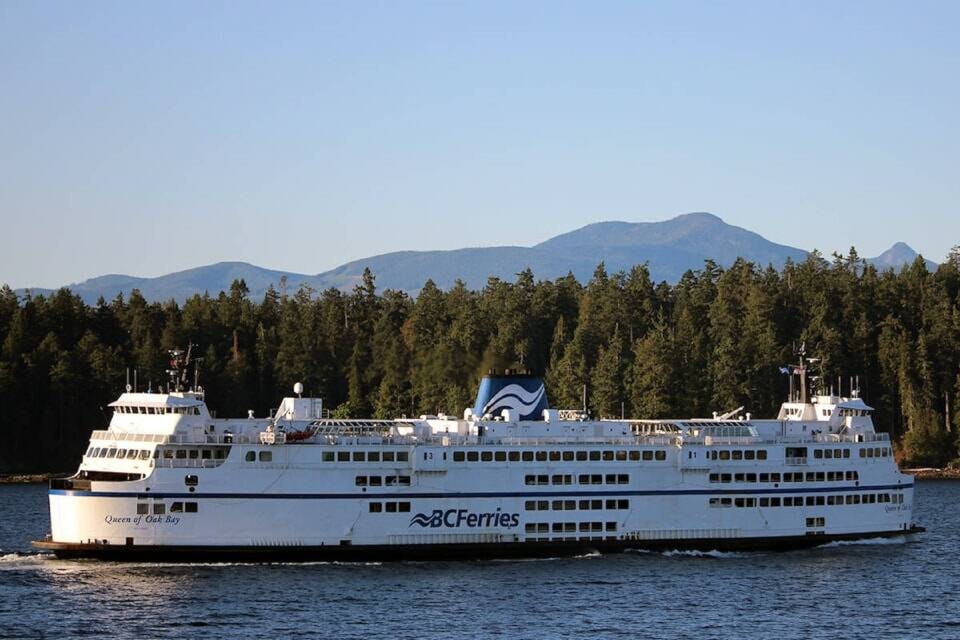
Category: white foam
[865,541]
[692,553]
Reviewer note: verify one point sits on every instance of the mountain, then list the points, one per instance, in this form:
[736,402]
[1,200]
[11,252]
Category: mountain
[670,248]
[897,257]
[181,285]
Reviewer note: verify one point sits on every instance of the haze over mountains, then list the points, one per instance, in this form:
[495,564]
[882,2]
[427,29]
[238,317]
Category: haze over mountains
[669,248]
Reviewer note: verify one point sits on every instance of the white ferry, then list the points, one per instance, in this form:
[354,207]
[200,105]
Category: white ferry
[512,478]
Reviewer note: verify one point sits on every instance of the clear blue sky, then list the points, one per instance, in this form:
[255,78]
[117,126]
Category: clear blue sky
[145,138]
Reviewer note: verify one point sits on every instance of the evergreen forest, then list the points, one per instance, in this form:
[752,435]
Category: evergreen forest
[714,341]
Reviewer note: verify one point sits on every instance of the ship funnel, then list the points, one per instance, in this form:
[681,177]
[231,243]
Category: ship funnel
[519,391]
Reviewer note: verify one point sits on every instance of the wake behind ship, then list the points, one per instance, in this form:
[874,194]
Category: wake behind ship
[511,478]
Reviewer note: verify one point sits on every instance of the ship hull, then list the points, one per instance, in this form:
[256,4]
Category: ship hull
[439,552]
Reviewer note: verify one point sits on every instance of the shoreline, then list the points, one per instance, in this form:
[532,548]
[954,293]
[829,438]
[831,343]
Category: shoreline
[28,478]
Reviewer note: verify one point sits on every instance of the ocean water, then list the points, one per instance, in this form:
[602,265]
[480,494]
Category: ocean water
[875,589]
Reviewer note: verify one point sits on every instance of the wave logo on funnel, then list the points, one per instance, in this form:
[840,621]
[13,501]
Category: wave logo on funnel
[517,398]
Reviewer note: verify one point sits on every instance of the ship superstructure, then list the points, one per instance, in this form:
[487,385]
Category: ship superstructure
[511,477]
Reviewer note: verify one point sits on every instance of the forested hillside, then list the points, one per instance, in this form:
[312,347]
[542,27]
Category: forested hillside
[713,341]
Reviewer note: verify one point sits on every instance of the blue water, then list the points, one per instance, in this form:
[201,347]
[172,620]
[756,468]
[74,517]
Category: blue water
[877,589]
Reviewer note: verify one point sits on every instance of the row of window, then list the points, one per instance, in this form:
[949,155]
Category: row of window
[831,453]
[574,505]
[365,456]
[809,476]
[382,481]
[183,411]
[738,454]
[875,452]
[113,452]
[609,455]
[818,523]
[809,501]
[583,478]
[218,453]
[159,508]
[389,507]
[568,527]
[262,456]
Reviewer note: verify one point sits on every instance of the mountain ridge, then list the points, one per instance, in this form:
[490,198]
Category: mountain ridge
[669,248]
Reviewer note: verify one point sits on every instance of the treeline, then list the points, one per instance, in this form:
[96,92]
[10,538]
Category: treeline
[711,342]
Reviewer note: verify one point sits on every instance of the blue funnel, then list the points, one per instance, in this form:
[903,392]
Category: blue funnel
[525,394]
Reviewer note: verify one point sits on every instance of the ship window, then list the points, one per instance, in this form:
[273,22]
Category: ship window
[594,456]
[764,477]
[774,502]
[621,456]
[818,453]
[648,455]
[530,505]
[527,456]
[751,477]
[486,456]
[473,456]
[458,456]
[327,456]
[403,507]
[541,456]
[737,455]
[376,507]
[724,455]
[762,454]
[266,456]
[388,456]
[343,456]
[373,456]
[158,509]
[500,456]
[714,477]
[404,480]
[725,477]
[376,481]
[190,507]
[250,456]
[661,455]
[130,453]
[513,456]
[143,508]
[738,477]
[634,456]
[145,454]
[361,481]
[403,456]
[191,481]
[608,456]
[359,456]
[391,507]
[623,478]
[749,455]
[181,454]
[194,454]
[176,507]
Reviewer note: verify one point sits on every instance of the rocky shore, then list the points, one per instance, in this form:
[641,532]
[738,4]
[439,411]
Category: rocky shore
[930,473]
[28,478]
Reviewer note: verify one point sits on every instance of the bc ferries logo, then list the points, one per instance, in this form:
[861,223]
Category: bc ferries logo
[516,398]
[464,518]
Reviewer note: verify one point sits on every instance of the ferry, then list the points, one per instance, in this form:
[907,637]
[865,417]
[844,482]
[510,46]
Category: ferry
[510,478]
